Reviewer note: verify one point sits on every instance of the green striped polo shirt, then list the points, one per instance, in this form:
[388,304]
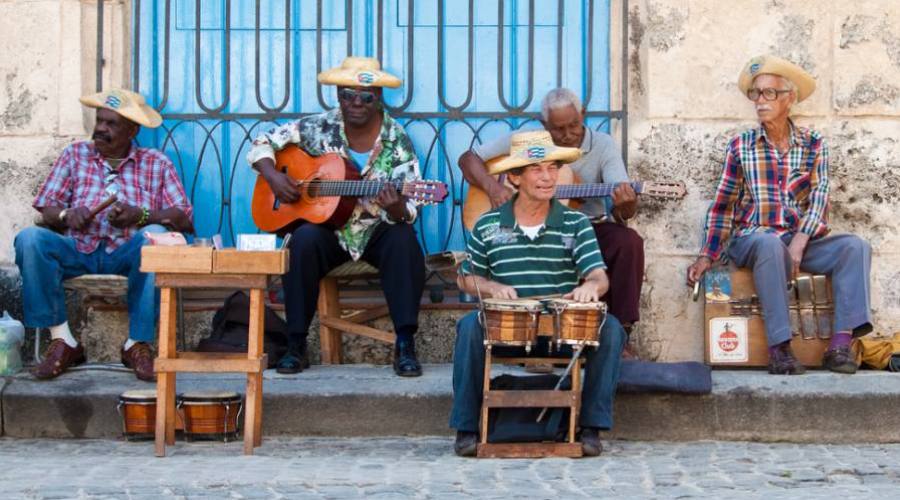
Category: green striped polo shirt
[564,251]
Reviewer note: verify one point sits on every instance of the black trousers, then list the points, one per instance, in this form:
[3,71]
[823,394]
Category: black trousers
[315,251]
[623,252]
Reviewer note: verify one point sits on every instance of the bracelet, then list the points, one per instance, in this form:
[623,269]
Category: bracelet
[145,215]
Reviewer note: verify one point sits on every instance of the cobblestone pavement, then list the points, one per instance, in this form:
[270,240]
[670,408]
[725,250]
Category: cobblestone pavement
[426,468]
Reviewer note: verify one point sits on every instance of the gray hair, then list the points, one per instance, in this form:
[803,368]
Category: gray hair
[559,98]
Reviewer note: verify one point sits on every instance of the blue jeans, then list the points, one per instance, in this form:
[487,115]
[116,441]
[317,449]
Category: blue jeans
[46,258]
[601,375]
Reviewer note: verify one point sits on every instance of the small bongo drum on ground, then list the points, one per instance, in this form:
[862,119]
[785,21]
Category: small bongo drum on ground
[210,415]
[577,322]
[138,411]
[511,321]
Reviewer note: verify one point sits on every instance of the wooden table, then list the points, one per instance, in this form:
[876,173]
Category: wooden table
[192,267]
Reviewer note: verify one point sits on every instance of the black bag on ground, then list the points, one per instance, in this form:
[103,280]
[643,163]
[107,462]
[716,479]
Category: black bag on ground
[520,425]
[685,377]
[230,329]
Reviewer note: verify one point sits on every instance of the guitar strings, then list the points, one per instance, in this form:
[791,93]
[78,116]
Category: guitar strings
[348,187]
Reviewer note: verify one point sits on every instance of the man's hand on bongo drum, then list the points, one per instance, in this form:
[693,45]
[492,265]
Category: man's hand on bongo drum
[499,291]
[594,287]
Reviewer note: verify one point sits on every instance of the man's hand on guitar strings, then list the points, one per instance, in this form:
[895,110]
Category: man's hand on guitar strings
[284,188]
[392,202]
[625,200]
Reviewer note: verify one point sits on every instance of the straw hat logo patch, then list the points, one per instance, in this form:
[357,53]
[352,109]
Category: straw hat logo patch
[113,101]
[536,152]
[365,77]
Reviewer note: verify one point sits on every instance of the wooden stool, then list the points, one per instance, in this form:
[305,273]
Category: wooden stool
[185,267]
[332,325]
[570,399]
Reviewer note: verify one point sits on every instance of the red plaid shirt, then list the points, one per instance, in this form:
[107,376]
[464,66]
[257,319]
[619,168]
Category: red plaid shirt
[762,191]
[80,177]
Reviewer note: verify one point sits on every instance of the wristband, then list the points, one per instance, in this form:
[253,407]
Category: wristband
[145,215]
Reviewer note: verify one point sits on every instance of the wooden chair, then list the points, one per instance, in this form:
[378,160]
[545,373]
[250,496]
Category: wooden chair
[332,325]
[493,399]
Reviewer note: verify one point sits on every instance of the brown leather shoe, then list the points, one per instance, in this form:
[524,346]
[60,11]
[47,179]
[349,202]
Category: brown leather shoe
[783,362]
[140,359]
[839,360]
[58,358]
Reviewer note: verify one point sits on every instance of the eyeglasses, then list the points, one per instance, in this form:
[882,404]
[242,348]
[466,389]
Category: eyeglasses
[350,95]
[768,94]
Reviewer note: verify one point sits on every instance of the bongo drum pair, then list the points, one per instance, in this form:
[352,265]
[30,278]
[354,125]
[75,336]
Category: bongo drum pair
[515,321]
[205,415]
[577,323]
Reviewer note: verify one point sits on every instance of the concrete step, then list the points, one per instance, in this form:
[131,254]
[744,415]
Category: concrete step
[366,400]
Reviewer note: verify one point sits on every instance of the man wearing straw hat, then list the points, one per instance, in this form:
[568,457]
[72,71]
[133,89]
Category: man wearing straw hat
[530,246]
[770,215]
[83,234]
[380,229]
[562,114]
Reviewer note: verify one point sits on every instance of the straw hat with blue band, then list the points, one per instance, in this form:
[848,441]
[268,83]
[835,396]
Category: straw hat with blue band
[771,65]
[130,105]
[359,72]
[529,148]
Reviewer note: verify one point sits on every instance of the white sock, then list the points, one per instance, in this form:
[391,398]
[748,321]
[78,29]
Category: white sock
[62,332]
[129,343]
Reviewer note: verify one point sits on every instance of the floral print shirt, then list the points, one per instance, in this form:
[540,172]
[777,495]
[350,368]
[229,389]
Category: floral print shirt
[392,157]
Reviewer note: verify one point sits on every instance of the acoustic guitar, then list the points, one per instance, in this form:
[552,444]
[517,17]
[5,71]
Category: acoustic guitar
[329,186]
[478,202]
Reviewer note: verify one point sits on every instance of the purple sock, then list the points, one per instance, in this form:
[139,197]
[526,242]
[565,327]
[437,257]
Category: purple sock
[840,339]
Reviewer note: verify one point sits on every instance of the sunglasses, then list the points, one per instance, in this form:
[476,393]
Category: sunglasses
[350,95]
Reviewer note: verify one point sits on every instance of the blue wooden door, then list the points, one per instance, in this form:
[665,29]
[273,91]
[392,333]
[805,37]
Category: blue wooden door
[221,71]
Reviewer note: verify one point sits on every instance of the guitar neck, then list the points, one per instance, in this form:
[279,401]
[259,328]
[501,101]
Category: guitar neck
[356,188]
[566,191]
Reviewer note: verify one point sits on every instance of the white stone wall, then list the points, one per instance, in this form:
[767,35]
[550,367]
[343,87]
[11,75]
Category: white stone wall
[47,60]
[685,56]
[684,105]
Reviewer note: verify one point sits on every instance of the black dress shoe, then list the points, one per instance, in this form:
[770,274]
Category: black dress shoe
[405,362]
[295,360]
[590,442]
[466,444]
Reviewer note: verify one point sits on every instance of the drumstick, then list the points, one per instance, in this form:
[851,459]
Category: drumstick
[101,207]
[563,376]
